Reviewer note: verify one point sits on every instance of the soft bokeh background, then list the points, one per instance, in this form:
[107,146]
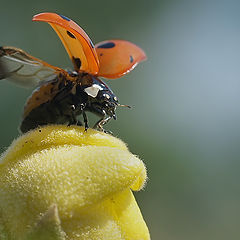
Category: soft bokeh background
[185,123]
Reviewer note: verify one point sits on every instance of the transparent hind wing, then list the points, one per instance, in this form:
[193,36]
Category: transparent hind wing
[23,69]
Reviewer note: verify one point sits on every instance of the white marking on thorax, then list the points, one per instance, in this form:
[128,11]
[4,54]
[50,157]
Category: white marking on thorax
[93,90]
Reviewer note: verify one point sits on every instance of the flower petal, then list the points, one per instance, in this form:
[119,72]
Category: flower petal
[76,170]
[118,218]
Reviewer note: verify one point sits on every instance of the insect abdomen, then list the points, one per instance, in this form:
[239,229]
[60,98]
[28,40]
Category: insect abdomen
[49,104]
[46,113]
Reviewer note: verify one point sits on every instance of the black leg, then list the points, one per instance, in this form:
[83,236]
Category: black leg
[72,118]
[99,124]
[103,120]
[85,121]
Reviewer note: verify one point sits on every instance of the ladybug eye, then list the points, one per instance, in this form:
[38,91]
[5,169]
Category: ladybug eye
[106,96]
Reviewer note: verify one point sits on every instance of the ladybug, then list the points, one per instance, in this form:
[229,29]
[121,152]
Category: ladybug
[61,96]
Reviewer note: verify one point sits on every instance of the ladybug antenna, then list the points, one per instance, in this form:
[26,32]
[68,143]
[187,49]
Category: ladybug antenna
[121,105]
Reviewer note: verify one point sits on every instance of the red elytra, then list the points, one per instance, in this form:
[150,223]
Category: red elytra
[109,59]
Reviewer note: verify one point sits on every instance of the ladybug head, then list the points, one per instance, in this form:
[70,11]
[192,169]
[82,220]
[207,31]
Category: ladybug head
[101,99]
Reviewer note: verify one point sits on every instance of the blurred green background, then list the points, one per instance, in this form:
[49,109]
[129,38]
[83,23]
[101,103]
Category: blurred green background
[185,121]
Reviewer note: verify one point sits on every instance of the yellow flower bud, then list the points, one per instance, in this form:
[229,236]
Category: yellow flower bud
[59,182]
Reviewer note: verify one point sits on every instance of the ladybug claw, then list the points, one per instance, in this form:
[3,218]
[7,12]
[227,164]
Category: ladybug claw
[107,131]
[86,128]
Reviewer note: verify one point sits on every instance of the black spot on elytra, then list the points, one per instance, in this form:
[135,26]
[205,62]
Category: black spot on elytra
[107,45]
[37,98]
[131,58]
[101,54]
[70,35]
[77,62]
[65,18]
